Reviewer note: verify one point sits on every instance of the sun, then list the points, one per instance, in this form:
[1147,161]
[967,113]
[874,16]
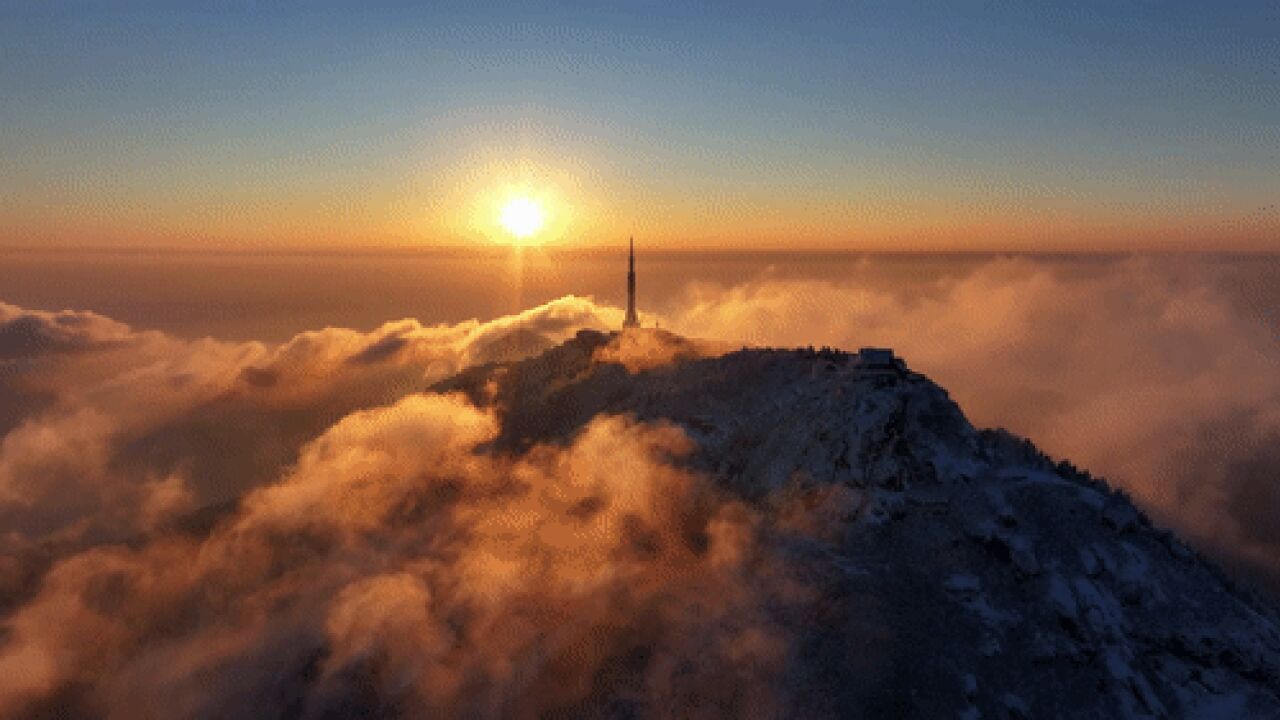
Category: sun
[522,217]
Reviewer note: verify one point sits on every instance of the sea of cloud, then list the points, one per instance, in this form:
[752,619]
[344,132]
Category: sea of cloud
[210,529]
[207,528]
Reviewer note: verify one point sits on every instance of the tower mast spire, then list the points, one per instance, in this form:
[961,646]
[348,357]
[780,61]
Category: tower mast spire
[632,319]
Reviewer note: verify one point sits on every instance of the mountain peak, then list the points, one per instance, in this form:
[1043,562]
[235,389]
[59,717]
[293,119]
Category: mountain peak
[1021,586]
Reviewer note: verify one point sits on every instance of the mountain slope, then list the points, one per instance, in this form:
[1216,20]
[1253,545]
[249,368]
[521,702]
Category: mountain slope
[962,573]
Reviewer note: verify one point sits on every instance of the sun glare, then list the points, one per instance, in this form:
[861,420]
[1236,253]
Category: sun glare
[522,217]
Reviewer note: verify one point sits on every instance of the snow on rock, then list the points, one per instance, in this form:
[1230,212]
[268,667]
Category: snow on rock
[962,553]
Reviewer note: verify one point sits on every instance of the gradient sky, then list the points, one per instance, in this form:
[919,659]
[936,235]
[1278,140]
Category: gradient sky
[1108,125]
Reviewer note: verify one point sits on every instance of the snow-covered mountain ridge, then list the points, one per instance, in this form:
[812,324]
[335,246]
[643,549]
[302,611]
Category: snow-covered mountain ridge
[967,574]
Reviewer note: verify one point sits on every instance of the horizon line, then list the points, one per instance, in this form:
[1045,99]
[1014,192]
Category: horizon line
[601,248]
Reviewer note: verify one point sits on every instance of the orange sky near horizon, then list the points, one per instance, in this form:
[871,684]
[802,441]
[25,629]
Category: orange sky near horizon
[669,223]
[432,198]
[459,204]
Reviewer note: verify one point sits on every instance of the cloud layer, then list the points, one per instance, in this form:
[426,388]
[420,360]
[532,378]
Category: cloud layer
[393,567]
[111,432]
[211,528]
